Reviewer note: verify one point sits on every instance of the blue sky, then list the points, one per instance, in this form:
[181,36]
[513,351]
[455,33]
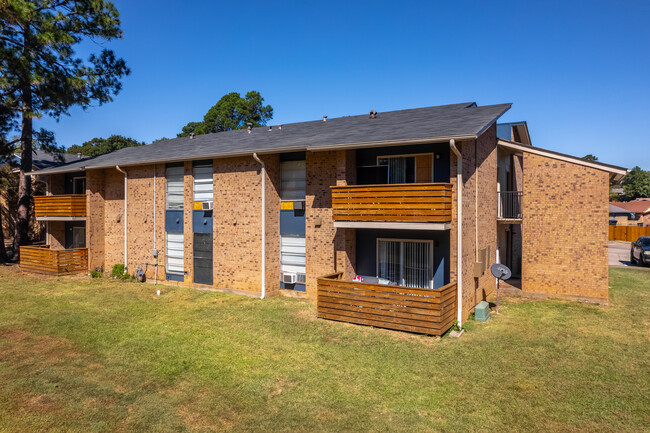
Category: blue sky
[577,71]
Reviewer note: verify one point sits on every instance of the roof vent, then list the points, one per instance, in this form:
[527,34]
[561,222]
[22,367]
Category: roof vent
[250,126]
[279,127]
[324,118]
[373,114]
[191,135]
[78,155]
[270,128]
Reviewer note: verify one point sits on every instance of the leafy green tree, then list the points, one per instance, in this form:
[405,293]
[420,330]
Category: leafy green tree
[590,157]
[189,129]
[42,75]
[232,112]
[636,184]
[100,146]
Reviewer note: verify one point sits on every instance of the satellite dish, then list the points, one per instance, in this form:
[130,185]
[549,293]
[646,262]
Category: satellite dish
[501,271]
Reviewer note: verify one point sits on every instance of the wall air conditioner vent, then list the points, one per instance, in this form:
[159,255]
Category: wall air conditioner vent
[206,205]
[289,278]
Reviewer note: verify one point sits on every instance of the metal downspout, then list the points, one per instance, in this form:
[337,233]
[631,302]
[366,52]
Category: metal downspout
[125,216]
[263,224]
[459,227]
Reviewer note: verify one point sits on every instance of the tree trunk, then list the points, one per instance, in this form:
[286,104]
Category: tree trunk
[3,251]
[25,182]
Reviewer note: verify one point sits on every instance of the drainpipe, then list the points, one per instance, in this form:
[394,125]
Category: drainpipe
[263,225]
[459,227]
[155,278]
[117,167]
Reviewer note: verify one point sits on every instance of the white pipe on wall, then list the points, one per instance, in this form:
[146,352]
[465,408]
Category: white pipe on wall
[155,278]
[263,225]
[459,227]
[125,215]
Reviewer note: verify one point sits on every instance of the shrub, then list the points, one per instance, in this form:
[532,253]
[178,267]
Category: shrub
[118,271]
[96,274]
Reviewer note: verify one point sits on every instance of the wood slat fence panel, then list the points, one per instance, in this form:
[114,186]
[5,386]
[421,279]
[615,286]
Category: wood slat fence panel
[627,233]
[414,202]
[72,205]
[43,260]
[421,311]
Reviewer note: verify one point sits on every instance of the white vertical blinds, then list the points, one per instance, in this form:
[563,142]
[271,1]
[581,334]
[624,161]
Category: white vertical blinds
[293,180]
[292,254]
[406,263]
[175,188]
[203,182]
[175,252]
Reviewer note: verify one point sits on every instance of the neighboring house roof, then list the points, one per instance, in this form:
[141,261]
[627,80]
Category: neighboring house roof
[640,205]
[419,125]
[617,210]
[42,160]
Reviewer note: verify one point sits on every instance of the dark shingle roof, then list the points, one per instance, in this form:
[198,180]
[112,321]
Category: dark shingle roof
[439,122]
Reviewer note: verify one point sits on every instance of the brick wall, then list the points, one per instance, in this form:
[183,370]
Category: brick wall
[113,218]
[56,235]
[238,226]
[321,170]
[565,230]
[479,199]
[95,239]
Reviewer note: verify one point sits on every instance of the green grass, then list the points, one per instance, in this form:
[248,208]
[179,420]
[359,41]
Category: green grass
[82,354]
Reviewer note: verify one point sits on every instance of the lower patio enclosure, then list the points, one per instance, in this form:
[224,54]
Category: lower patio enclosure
[423,311]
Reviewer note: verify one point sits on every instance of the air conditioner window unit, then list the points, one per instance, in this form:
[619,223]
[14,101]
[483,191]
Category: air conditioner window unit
[206,205]
[289,278]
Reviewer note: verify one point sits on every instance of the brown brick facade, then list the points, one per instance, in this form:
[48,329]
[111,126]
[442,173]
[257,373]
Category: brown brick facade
[565,210]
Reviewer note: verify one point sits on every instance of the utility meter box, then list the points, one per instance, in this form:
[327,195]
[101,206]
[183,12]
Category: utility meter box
[482,312]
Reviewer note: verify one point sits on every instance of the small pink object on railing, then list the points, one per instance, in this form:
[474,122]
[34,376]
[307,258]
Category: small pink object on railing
[358,279]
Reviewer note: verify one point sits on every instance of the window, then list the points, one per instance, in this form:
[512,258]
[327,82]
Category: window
[203,183]
[293,180]
[79,185]
[408,168]
[175,264]
[175,187]
[406,262]
[292,255]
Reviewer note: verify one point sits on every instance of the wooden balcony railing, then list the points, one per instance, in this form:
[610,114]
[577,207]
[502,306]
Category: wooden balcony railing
[407,202]
[43,260]
[423,311]
[73,205]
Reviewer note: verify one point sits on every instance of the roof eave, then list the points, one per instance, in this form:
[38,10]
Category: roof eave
[383,143]
[616,172]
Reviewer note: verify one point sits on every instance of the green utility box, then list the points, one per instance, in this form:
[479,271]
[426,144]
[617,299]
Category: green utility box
[482,312]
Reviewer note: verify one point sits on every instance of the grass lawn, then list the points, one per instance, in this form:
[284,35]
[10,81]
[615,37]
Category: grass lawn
[96,355]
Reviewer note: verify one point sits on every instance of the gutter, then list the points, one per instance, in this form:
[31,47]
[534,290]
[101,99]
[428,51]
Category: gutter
[263,295]
[459,228]
[126,178]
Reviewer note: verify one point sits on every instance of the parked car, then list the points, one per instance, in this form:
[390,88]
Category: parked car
[640,253]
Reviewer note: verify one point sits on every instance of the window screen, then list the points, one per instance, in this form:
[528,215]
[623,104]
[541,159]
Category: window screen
[293,180]
[405,263]
[175,188]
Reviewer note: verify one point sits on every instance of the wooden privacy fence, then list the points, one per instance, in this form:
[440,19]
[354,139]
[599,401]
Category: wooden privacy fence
[43,260]
[423,311]
[417,202]
[73,205]
[627,233]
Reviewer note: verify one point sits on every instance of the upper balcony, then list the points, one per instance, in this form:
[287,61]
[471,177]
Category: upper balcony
[70,207]
[405,205]
[509,206]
